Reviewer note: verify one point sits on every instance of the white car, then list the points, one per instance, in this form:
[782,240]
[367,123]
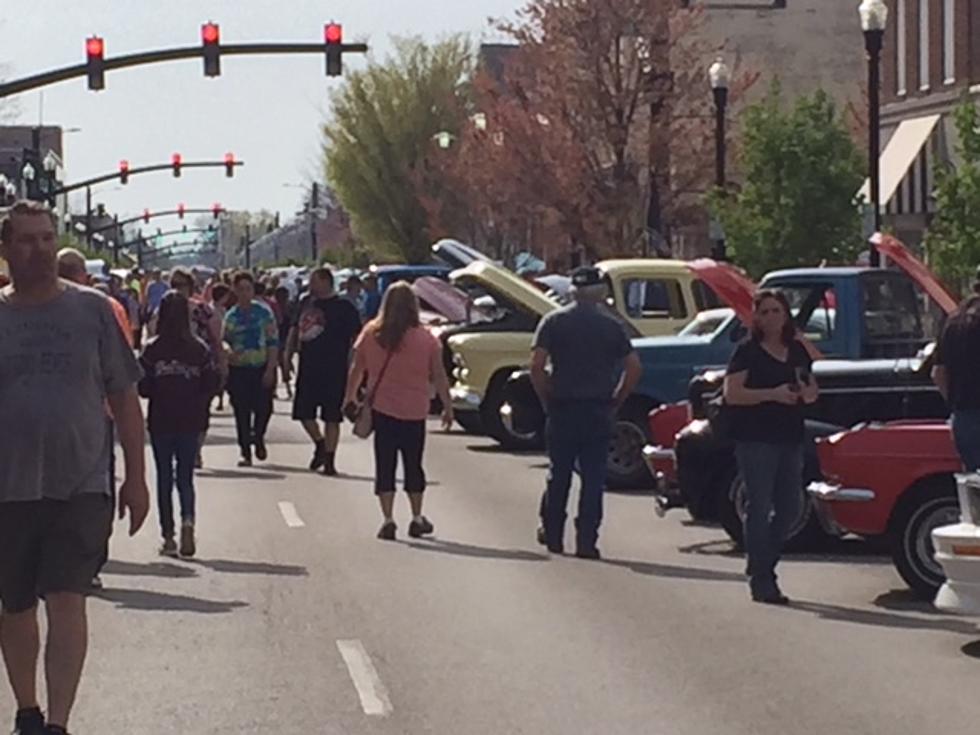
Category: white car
[958,550]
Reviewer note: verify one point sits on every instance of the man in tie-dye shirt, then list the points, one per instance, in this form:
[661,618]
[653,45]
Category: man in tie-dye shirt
[253,338]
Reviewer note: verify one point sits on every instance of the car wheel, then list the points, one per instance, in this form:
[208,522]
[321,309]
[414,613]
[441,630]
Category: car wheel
[625,467]
[470,422]
[507,435]
[804,534]
[919,513]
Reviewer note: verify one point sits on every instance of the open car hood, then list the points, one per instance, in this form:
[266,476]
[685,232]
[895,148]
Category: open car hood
[446,300]
[916,270]
[730,284]
[499,281]
[456,254]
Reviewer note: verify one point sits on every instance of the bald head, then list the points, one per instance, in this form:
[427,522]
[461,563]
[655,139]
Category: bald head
[71,266]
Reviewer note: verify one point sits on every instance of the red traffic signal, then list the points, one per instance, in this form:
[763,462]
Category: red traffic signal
[180,210]
[333,35]
[176,160]
[95,55]
[216,210]
[124,172]
[146,216]
[229,165]
[211,40]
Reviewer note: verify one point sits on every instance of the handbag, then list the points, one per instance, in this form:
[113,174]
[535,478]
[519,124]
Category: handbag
[364,421]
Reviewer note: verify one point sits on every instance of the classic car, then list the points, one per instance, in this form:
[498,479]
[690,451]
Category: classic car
[895,480]
[651,296]
[389,274]
[854,390]
[957,549]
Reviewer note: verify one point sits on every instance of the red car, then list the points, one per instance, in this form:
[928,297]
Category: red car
[664,423]
[894,480]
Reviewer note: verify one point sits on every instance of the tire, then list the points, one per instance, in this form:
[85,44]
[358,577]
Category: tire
[494,424]
[470,422]
[805,533]
[922,509]
[625,468]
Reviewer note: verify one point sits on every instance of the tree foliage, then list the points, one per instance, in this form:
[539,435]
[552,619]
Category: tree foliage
[378,142]
[596,124]
[801,170]
[953,242]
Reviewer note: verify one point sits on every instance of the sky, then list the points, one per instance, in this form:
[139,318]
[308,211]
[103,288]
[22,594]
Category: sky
[267,110]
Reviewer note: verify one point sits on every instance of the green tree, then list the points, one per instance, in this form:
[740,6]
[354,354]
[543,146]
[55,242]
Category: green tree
[953,242]
[797,205]
[378,142]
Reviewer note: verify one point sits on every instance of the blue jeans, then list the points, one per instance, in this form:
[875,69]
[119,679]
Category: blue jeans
[168,450]
[773,475]
[577,432]
[966,435]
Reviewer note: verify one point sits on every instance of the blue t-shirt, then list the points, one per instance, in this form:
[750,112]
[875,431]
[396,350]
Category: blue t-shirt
[587,349]
[154,295]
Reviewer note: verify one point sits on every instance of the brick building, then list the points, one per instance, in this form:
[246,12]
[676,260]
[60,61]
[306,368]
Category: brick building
[930,60]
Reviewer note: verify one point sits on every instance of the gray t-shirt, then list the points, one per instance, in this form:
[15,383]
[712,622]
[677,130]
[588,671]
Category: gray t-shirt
[587,348]
[58,363]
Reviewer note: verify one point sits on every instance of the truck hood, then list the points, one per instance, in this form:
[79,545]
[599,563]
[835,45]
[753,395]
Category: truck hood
[446,300]
[505,286]
[916,270]
[730,284]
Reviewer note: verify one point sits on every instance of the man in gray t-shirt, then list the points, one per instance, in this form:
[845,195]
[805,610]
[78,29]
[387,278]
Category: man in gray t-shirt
[593,370]
[63,363]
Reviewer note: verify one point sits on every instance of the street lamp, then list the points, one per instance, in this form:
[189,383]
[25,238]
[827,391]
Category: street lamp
[719,75]
[874,19]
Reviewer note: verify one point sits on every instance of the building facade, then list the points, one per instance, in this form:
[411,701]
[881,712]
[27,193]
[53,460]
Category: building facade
[931,60]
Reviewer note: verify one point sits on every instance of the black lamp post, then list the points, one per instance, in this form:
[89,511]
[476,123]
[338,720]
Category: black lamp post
[874,19]
[718,74]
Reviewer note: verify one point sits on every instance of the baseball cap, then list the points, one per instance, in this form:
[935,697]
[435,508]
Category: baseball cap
[585,276]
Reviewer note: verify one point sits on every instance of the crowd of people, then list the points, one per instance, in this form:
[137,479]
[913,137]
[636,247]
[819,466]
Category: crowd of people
[74,364]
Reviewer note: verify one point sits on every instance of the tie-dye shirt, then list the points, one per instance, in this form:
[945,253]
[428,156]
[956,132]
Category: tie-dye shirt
[251,334]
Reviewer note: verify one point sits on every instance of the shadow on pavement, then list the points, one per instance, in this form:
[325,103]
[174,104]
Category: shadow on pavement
[905,600]
[150,601]
[497,449]
[151,569]
[835,550]
[479,552]
[882,619]
[212,474]
[228,566]
[971,649]
[675,572]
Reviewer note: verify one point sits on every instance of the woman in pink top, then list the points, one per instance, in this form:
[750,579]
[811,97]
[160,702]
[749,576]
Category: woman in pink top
[399,360]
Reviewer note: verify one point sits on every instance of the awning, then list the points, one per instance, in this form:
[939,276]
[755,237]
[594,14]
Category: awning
[901,152]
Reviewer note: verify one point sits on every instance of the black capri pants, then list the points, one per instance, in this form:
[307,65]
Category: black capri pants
[393,437]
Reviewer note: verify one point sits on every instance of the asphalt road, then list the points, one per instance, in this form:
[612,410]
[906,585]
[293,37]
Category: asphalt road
[294,619]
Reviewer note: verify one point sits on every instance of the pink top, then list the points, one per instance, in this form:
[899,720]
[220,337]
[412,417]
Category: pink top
[404,389]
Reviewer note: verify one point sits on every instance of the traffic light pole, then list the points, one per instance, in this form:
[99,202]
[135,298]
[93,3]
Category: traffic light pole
[154,215]
[47,78]
[88,183]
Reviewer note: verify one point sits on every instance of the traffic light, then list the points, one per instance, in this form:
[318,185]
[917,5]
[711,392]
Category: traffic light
[333,36]
[95,51]
[229,165]
[124,172]
[211,40]
[177,160]
[180,210]
[216,210]
[146,216]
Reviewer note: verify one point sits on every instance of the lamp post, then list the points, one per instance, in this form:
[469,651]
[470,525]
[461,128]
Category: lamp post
[718,75]
[874,19]
[28,174]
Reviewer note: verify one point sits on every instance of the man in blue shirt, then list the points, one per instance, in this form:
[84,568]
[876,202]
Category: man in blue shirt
[593,371]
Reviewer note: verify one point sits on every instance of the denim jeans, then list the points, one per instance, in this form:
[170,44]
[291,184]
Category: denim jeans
[773,475]
[170,450]
[252,403]
[578,432]
[966,435]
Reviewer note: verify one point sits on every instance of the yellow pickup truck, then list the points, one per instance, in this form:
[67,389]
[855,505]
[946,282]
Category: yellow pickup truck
[655,297]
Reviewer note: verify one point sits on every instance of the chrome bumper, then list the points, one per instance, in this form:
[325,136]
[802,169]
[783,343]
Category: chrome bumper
[465,399]
[832,492]
[658,454]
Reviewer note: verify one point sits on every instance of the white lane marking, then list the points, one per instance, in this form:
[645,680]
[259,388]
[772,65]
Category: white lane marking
[289,514]
[370,688]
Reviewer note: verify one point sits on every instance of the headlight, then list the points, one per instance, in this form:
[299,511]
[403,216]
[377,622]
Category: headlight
[458,361]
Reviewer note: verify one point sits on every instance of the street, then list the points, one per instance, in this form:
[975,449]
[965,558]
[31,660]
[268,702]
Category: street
[294,618]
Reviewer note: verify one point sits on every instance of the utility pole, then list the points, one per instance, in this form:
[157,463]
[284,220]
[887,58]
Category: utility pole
[314,205]
[88,216]
[248,247]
